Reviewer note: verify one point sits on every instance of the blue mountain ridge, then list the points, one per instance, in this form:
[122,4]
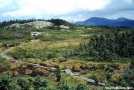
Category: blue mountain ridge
[109,22]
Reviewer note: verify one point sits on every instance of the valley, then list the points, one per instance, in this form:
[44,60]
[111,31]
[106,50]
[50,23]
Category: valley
[26,55]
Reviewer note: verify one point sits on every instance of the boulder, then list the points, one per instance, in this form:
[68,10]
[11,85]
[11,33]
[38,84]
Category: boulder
[13,26]
[36,33]
[64,27]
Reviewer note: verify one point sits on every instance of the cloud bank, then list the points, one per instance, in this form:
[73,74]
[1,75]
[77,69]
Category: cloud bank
[71,10]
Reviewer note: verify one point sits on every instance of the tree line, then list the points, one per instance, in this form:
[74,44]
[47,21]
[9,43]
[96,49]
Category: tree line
[5,23]
[56,22]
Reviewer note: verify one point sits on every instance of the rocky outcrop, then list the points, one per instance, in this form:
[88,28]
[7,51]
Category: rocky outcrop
[30,25]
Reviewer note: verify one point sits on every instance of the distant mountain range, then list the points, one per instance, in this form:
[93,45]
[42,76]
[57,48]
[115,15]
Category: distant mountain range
[109,22]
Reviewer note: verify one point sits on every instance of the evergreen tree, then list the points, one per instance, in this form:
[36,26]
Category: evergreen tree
[58,73]
[95,78]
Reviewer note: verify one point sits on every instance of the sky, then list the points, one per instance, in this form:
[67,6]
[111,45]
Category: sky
[70,10]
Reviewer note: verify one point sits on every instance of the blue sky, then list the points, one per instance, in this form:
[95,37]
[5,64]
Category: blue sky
[70,10]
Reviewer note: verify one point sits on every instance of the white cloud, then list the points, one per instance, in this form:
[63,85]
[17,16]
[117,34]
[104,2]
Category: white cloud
[53,7]
[4,3]
[72,10]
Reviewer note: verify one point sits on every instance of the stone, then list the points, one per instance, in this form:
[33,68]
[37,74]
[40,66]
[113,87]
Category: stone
[68,71]
[35,33]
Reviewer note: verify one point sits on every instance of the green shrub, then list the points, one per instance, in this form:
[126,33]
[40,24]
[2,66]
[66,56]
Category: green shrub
[63,86]
[24,83]
[51,55]
[5,82]
[94,77]
[81,86]
[39,82]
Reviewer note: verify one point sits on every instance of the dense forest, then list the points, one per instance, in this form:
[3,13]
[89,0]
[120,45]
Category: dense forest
[109,46]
